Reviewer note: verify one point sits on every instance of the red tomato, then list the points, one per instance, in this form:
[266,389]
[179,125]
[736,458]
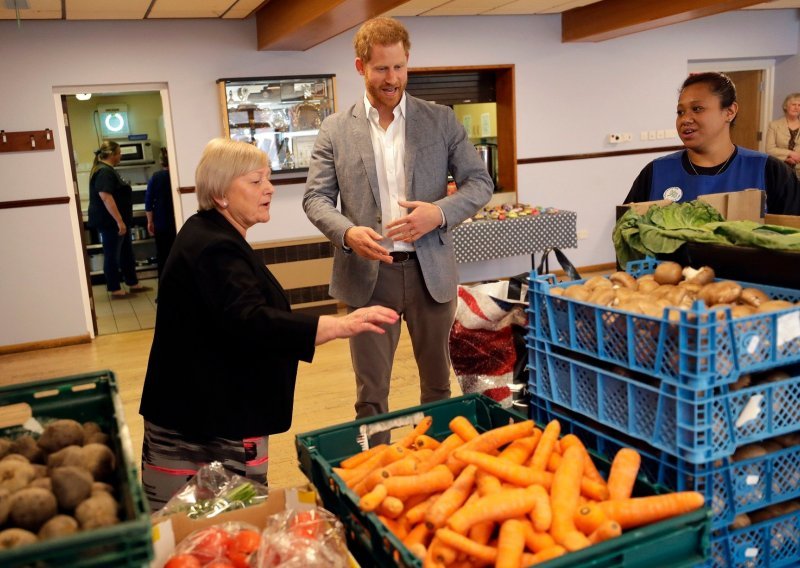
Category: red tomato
[209,544]
[219,563]
[183,561]
[245,541]
[239,559]
[306,524]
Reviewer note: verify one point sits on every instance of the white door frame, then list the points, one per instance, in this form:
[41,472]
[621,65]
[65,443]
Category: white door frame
[66,159]
[765,65]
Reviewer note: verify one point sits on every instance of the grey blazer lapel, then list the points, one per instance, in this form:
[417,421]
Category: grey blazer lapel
[363,142]
[415,132]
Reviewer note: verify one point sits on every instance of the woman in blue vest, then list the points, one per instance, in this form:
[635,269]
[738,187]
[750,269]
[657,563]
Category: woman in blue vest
[711,162]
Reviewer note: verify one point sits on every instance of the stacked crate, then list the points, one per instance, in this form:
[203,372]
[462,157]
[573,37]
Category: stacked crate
[671,388]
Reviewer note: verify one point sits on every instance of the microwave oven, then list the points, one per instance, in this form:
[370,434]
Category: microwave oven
[135,152]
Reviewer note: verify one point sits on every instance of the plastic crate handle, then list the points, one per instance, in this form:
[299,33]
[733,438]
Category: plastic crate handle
[367,430]
[566,264]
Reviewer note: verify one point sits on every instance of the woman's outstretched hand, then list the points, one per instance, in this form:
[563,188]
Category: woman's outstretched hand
[370,319]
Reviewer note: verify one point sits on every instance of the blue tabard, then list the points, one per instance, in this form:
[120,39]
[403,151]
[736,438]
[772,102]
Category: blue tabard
[671,181]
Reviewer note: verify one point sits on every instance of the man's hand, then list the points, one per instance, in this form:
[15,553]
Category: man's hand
[366,243]
[424,218]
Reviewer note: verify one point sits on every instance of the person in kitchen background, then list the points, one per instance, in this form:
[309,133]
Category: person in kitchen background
[159,211]
[783,135]
[387,159]
[711,162]
[111,214]
[226,346]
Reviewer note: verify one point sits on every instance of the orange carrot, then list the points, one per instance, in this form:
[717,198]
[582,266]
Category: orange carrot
[505,470]
[594,490]
[589,469]
[396,528]
[373,499]
[545,446]
[391,507]
[415,513]
[451,499]
[405,466]
[498,437]
[464,428]
[442,552]
[510,544]
[404,486]
[553,461]
[637,511]
[463,544]
[588,517]
[608,529]
[482,532]
[424,441]
[564,495]
[519,450]
[574,540]
[487,483]
[622,476]
[361,457]
[422,426]
[542,514]
[418,534]
[386,456]
[543,556]
[535,540]
[441,453]
[417,549]
[505,504]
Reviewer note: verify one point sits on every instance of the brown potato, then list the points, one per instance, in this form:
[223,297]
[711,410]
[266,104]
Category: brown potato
[60,434]
[15,474]
[32,507]
[27,446]
[71,485]
[99,510]
[13,538]
[668,273]
[623,280]
[58,526]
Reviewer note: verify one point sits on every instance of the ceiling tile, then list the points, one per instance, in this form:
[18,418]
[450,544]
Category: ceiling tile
[189,8]
[466,7]
[38,10]
[415,8]
[106,10]
[242,9]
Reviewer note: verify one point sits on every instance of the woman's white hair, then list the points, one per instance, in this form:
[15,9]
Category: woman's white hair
[224,160]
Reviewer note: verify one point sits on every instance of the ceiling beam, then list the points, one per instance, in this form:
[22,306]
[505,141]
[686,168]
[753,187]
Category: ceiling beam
[291,25]
[614,18]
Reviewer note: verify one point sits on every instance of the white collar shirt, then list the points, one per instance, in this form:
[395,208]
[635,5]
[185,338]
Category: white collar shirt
[389,147]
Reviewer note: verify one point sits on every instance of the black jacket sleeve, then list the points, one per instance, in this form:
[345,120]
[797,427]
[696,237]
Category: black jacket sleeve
[782,187]
[640,190]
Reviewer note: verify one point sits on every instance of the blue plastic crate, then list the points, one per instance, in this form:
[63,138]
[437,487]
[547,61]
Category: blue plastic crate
[730,488]
[703,349]
[769,544]
[698,426]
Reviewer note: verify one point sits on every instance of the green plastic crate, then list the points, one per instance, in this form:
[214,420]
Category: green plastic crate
[88,397]
[680,542]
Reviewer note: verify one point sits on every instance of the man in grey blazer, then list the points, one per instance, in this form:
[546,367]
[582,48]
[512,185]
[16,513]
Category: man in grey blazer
[386,159]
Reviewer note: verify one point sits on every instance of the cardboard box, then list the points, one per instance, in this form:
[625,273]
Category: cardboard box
[169,531]
[744,205]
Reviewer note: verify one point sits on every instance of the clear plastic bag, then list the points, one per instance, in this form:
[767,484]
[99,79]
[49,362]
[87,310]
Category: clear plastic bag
[214,490]
[225,544]
[312,538]
[486,340]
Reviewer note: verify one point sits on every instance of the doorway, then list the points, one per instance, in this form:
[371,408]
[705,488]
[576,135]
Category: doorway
[140,117]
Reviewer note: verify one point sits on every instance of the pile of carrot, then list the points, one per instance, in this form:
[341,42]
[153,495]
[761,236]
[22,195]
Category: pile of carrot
[512,496]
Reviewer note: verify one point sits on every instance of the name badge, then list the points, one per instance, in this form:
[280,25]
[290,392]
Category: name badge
[673,193]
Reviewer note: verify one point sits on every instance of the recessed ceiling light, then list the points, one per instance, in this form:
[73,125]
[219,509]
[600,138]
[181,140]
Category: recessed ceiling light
[83,96]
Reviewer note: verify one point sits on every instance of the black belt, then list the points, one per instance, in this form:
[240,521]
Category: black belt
[402,255]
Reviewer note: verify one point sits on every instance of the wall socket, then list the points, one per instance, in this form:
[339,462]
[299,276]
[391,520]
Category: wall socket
[617,137]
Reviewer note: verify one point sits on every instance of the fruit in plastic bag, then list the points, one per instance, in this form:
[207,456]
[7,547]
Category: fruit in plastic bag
[226,545]
[303,539]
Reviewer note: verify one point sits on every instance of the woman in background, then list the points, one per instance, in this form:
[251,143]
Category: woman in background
[223,364]
[783,135]
[159,211]
[711,162]
[111,213]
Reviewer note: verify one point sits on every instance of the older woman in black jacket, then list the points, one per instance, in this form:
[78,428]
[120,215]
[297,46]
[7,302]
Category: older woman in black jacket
[223,363]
